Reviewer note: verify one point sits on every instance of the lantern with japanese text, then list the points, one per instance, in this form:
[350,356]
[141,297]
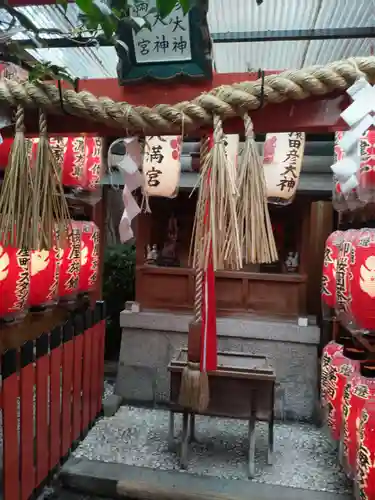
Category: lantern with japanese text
[331,253]
[360,390]
[79,160]
[14,281]
[70,264]
[89,256]
[328,353]
[162,165]
[5,148]
[343,365]
[365,456]
[44,277]
[282,163]
[346,259]
[362,283]
[366,179]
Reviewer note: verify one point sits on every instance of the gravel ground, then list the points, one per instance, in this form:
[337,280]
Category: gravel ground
[303,457]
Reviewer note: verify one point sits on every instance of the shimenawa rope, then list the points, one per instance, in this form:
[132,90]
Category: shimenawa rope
[225,101]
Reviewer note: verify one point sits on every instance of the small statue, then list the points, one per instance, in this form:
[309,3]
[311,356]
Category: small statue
[291,262]
[150,255]
[168,256]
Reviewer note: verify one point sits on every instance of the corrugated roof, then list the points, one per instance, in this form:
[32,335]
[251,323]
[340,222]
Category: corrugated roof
[225,17]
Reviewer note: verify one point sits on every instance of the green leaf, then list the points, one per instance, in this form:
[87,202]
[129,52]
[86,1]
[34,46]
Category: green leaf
[165,7]
[185,5]
[86,6]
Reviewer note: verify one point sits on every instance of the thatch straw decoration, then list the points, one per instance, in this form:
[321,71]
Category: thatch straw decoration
[16,191]
[258,240]
[50,208]
[215,222]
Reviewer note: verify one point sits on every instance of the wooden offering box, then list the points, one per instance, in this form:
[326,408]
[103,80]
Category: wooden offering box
[242,387]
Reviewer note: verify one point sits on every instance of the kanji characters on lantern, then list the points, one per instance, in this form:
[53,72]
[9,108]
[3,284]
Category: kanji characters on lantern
[14,281]
[282,162]
[331,254]
[70,266]
[78,159]
[89,256]
[162,165]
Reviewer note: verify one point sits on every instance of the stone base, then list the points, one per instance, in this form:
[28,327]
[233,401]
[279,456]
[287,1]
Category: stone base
[151,339]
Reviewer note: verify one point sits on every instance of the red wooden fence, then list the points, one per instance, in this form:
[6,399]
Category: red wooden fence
[51,395]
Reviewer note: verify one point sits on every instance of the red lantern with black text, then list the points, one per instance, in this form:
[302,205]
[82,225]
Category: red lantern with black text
[362,388]
[331,253]
[343,366]
[366,188]
[89,256]
[79,159]
[327,356]
[365,457]
[14,281]
[70,264]
[362,283]
[44,277]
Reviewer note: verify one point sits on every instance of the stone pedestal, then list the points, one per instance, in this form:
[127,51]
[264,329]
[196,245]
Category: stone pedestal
[151,339]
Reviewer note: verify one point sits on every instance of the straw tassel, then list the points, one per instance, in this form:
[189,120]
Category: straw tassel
[194,389]
[16,192]
[50,209]
[258,241]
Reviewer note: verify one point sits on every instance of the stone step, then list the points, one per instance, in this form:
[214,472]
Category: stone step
[128,481]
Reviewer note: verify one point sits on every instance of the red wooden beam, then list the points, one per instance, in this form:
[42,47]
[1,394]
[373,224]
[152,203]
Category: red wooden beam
[314,115]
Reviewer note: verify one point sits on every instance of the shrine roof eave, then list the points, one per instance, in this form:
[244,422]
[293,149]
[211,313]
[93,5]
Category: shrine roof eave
[312,115]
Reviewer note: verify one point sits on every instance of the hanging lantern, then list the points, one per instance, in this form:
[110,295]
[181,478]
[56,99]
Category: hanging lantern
[331,253]
[44,277]
[89,256]
[365,459]
[328,353]
[70,264]
[282,162]
[366,187]
[162,165]
[78,158]
[5,148]
[362,284]
[343,365]
[361,390]
[345,260]
[14,281]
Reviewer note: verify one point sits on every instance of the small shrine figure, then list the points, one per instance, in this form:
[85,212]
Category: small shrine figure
[291,262]
[168,256]
[151,254]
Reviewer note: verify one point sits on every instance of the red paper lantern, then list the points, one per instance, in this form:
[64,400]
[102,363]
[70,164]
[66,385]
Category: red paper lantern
[361,390]
[44,277]
[342,368]
[89,256]
[365,458]
[331,253]
[362,283]
[78,158]
[70,264]
[366,188]
[5,148]
[345,260]
[327,356]
[14,280]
